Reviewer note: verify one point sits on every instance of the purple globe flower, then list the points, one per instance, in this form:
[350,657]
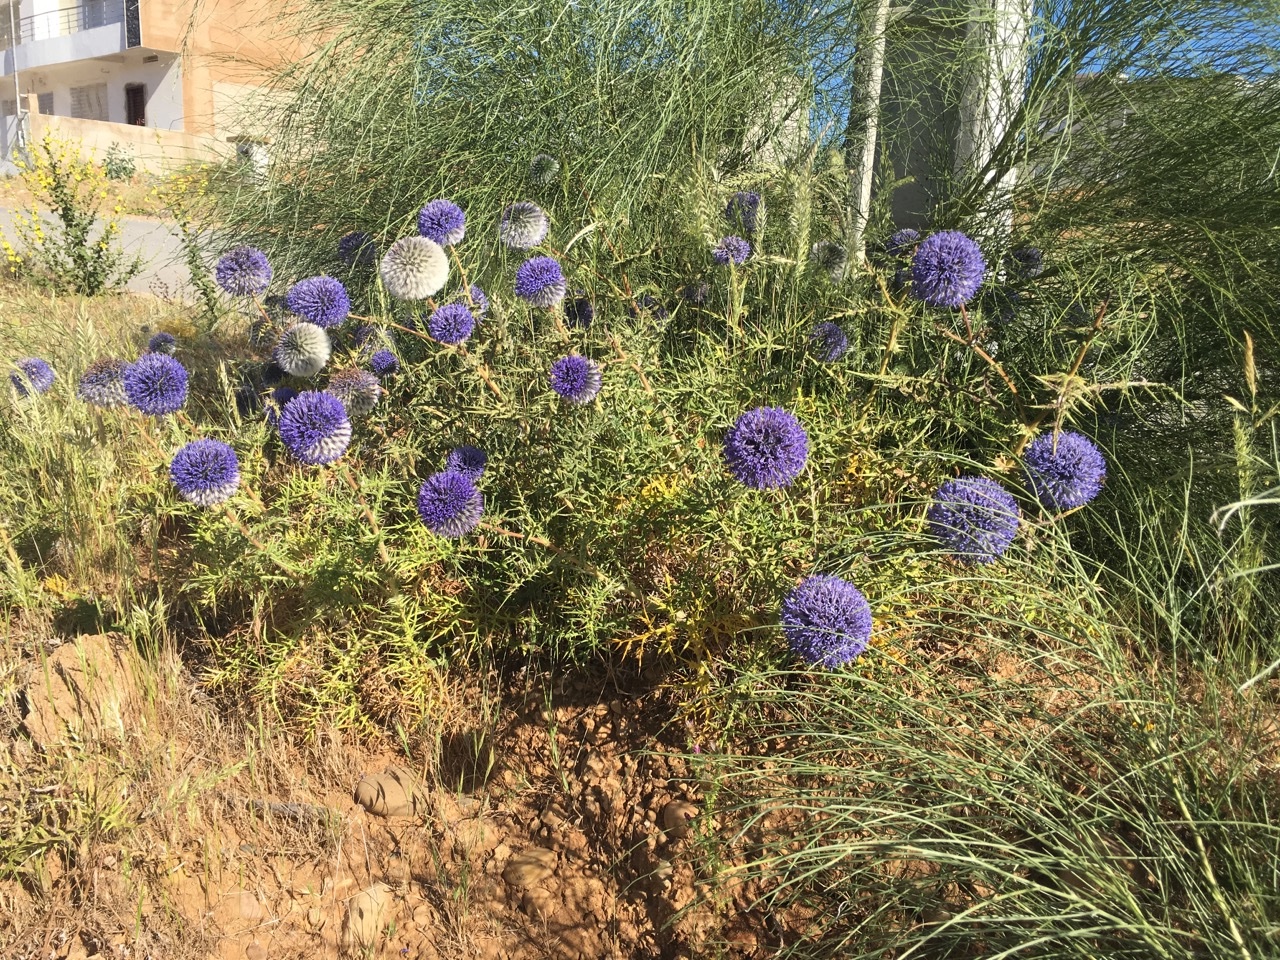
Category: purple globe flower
[731,249]
[272,373]
[451,324]
[828,341]
[901,242]
[243,272]
[449,504]
[576,379]
[357,248]
[743,211]
[579,312]
[1025,263]
[315,427]
[540,281]
[442,221]
[319,300]
[31,375]
[102,383]
[156,384]
[303,350]
[1064,471]
[826,620]
[163,343]
[279,397]
[384,363]
[947,269]
[975,518]
[831,257]
[414,268]
[523,225]
[206,472]
[647,303]
[467,460]
[766,448]
[695,292]
[358,390]
[543,169]
[479,302]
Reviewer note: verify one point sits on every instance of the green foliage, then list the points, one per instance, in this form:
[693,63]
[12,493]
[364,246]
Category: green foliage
[77,252]
[119,164]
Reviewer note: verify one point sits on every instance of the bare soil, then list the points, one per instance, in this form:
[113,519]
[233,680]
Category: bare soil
[552,820]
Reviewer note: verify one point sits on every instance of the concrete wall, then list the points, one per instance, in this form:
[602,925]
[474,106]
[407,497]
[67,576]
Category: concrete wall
[163,82]
[154,150]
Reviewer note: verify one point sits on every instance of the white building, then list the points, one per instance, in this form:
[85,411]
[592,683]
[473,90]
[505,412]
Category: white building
[136,72]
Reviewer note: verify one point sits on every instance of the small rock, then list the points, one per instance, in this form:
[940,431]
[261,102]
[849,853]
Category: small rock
[537,904]
[393,793]
[663,870]
[529,867]
[364,916]
[676,816]
[315,917]
[255,951]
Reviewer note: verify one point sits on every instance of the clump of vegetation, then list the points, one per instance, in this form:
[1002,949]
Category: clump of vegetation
[650,403]
[79,251]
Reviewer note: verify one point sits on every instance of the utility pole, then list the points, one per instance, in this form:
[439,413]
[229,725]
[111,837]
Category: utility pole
[14,42]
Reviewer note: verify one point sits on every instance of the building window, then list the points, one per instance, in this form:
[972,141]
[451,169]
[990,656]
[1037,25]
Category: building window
[44,103]
[135,104]
[9,108]
[89,103]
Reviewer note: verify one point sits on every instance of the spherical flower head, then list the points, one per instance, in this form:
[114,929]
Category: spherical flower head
[319,300]
[975,518]
[384,363]
[731,249]
[579,312]
[358,390]
[102,383]
[647,303]
[449,504]
[156,384]
[694,292]
[826,620]
[830,256]
[366,333]
[540,281]
[163,343]
[243,272]
[31,375]
[766,448]
[315,427]
[414,268]
[743,211]
[467,460]
[1025,263]
[442,221]
[263,332]
[206,472]
[1064,471]
[828,341]
[272,373]
[576,379]
[479,302]
[357,249]
[901,242]
[947,269]
[279,397]
[523,225]
[302,350]
[543,169]
[247,400]
[451,324]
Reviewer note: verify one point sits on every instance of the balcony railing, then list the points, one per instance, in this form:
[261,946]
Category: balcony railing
[61,23]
